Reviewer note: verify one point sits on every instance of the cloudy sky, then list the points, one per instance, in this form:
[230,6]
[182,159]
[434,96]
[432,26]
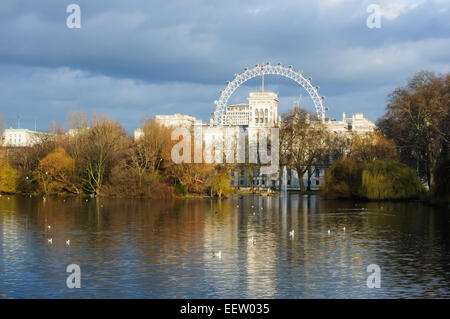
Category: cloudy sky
[136,58]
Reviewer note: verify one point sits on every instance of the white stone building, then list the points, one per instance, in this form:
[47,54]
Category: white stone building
[175,120]
[22,137]
[261,111]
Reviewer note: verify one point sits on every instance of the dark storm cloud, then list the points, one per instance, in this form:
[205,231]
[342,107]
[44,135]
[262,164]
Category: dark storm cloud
[152,57]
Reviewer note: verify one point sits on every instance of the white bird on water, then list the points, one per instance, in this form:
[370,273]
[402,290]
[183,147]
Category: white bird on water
[50,241]
[291,233]
[329,232]
[219,254]
[49,227]
[68,242]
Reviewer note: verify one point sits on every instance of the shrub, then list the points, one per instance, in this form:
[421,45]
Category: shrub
[343,179]
[8,177]
[385,179]
[127,183]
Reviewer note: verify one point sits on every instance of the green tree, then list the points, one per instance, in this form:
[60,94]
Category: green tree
[220,183]
[385,179]
[8,177]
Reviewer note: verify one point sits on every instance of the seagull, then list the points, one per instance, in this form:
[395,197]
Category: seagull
[329,232]
[219,254]
[50,241]
[68,242]
[291,233]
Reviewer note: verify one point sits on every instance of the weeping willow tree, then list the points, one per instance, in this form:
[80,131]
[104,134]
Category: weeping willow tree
[386,179]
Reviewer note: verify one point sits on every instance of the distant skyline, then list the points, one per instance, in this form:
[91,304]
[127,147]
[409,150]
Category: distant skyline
[141,58]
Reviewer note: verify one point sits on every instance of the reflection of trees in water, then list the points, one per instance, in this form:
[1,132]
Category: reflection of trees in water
[173,239]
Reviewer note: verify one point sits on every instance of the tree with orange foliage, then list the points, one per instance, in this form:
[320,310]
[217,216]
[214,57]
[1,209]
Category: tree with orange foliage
[55,173]
[372,146]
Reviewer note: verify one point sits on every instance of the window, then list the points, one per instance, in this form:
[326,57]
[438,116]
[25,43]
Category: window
[317,182]
[317,172]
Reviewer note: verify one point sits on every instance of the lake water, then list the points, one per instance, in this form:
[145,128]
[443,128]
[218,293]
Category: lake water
[163,249]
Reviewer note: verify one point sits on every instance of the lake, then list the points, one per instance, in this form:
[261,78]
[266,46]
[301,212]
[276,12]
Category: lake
[164,248]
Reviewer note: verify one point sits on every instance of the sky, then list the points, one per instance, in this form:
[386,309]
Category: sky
[137,58]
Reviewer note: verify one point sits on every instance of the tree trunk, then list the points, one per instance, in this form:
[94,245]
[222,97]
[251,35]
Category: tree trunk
[309,180]
[300,174]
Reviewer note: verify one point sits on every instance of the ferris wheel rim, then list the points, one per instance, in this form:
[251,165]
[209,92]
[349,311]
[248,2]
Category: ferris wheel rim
[259,70]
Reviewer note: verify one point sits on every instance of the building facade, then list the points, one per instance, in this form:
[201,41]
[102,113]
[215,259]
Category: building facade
[22,137]
[262,112]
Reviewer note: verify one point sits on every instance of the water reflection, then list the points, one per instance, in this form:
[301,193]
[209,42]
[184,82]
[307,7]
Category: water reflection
[149,248]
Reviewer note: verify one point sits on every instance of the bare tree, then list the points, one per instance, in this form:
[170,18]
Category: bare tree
[303,142]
